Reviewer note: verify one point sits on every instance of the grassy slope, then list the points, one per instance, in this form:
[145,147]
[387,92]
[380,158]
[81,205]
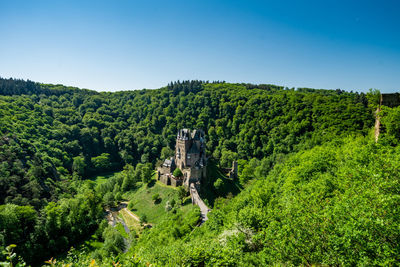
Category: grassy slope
[99,179]
[130,222]
[143,203]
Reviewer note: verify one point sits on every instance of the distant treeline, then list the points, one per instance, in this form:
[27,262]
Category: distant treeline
[21,87]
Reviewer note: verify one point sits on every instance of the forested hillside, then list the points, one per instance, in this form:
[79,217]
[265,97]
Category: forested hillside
[55,133]
[305,156]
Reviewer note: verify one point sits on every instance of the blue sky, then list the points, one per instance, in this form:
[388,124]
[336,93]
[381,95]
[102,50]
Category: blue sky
[125,45]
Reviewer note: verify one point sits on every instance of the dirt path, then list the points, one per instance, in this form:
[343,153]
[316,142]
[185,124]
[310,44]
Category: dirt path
[123,206]
[134,216]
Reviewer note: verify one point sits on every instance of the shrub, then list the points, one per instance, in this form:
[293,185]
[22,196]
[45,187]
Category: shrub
[130,205]
[156,198]
[168,206]
[177,172]
[113,241]
[218,184]
[143,219]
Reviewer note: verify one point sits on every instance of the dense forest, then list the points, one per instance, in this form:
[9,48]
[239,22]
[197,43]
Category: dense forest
[317,189]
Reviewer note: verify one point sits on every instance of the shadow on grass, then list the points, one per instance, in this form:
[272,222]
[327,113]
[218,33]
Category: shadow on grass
[187,201]
[229,187]
[152,183]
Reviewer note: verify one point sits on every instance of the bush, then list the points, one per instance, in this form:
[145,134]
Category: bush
[113,241]
[118,196]
[108,199]
[156,198]
[102,226]
[218,184]
[143,219]
[177,172]
[130,205]
[168,206]
[181,193]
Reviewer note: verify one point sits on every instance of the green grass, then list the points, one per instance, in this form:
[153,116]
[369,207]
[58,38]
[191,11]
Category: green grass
[99,179]
[130,222]
[144,205]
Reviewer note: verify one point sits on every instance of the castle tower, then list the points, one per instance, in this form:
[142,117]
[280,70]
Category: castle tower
[183,141]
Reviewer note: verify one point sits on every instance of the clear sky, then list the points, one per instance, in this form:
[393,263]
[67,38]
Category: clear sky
[120,45]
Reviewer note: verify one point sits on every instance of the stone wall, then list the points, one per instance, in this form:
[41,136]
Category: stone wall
[164,170]
[193,175]
[165,179]
[176,182]
[390,100]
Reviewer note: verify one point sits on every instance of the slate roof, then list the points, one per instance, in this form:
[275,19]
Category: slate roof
[193,150]
[169,162]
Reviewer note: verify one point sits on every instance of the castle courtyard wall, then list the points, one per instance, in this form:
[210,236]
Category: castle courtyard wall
[165,180]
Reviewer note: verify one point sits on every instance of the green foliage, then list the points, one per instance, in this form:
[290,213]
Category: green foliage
[156,198]
[143,219]
[227,156]
[109,200]
[335,204]
[78,165]
[177,172]
[374,97]
[181,193]
[130,205]
[168,206]
[118,196]
[102,162]
[390,127]
[146,173]
[113,241]
[57,227]
[169,230]
[248,170]
[52,138]
[11,257]
[143,203]
[53,132]
[218,184]
[227,188]
[166,152]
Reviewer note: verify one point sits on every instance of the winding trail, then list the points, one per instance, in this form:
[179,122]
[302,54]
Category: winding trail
[196,200]
[134,216]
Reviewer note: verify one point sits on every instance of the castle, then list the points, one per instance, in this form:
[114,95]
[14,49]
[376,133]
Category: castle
[190,158]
